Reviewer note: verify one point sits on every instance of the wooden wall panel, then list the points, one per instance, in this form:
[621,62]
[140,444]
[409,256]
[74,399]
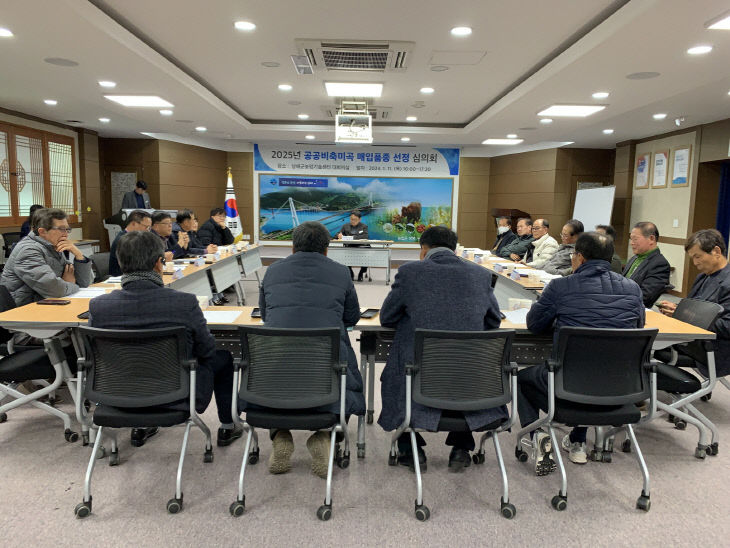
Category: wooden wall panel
[241,164]
[473,203]
[538,160]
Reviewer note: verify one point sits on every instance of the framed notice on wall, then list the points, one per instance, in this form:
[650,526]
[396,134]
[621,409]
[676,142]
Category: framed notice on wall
[659,169]
[680,165]
[642,170]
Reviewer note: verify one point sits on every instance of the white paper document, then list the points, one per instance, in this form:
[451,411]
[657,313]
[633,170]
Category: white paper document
[88,293]
[220,316]
[518,316]
[113,280]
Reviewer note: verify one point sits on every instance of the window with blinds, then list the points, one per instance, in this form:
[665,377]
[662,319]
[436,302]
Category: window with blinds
[36,167]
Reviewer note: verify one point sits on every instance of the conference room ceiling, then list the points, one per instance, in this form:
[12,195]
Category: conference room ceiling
[522,56]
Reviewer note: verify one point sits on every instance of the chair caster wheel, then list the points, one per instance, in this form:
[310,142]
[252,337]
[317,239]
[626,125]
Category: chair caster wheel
[70,436]
[643,503]
[478,458]
[208,456]
[507,510]
[422,512]
[521,455]
[360,452]
[713,449]
[606,457]
[701,451]
[175,505]
[114,458]
[369,417]
[3,417]
[253,456]
[324,512]
[559,502]
[706,397]
[83,509]
[343,462]
[626,446]
[595,456]
[237,508]
[392,460]
[679,424]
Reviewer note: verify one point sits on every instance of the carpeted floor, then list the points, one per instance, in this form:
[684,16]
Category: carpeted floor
[42,480]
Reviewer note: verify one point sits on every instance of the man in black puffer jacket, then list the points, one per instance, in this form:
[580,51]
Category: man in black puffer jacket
[214,230]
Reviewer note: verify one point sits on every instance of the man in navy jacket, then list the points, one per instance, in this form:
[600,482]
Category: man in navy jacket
[593,296]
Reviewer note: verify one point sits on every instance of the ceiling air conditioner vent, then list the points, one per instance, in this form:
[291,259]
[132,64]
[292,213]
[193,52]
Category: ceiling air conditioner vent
[360,56]
[379,114]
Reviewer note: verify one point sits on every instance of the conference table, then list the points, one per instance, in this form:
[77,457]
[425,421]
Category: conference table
[367,253]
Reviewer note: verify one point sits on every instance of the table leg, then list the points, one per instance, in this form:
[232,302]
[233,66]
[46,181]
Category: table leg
[371,388]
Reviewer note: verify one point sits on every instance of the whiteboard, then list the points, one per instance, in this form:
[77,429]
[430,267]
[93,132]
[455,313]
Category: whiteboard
[593,206]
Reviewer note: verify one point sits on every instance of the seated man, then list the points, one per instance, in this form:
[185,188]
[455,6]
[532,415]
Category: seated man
[358,231]
[647,267]
[542,248]
[39,268]
[707,250]
[505,235]
[438,292]
[518,247]
[136,221]
[214,230]
[309,290]
[144,303]
[560,263]
[592,296]
[162,227]
[188,224]
[608,230]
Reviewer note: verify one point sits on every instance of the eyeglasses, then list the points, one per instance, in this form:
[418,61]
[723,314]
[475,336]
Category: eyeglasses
[564,235]
[571,255]
[534,228]
[61,229]
[168,223]
[163,260]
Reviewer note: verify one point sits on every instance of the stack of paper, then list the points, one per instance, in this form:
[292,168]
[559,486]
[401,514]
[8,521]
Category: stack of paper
[88,293]
[518,316]
[221,316]
[113,280]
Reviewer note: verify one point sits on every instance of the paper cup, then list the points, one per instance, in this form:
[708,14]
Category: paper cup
[202,301]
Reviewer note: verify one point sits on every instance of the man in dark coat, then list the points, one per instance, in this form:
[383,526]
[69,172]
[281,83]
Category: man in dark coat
[505,236]
[137,198]
[214,230]
[309,290]
[440,291]
[137,220]
[647,267]
[359,231]
[144,303]
[517,248]
[707,250]
[592,296]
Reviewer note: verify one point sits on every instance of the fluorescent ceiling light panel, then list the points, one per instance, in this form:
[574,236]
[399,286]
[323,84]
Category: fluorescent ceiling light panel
[350,89]
[578,111]
[502,141]
[720,23]
[140,101]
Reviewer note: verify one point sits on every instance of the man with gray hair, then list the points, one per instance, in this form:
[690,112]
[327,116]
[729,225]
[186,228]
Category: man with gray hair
[46,264]
[647,267]
[307,289]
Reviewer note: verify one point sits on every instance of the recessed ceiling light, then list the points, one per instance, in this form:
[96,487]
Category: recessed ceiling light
[309,137]
[405,139]
[5,33]
[461,31]
[699,50]
[546,121]
[104,120]
[61,62]
[201,128]
[600,95]
[107,84]
[244,25]
[50,102]
[303,116]
[350,89]
[719,23]
[642,75]
[512,136]
[659,116]
[270,64]
[502,141]
[139,100]
[285,87]
[427,90]
[579,111]
[166,112]
[439,68]
[607,131]
[411,118]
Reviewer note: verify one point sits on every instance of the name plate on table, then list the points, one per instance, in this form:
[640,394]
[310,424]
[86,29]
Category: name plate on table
[498,268]
[478,259]
[216,255]
[348,238]
[200,261]
[177,274]
[515,275]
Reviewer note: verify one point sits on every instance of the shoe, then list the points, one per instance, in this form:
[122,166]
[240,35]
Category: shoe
[319,447]
[217,301]
[226,436]
[223,297]
[406,459]
[544,463]
[283,447]
[576,450]
[141,435]
[459,459]
[359,278]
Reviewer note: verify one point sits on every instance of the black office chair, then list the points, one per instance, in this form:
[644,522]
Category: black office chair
[595,379]
[10,239]
[458,371]
[288,374]
[30,363]
[133,376]
[100,264]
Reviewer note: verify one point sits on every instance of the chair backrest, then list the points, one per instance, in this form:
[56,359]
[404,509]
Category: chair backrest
[701,314]
[136,367]
[100,262]
[603,366]
[462,370]
[10,239]
[290,368]
[6,303]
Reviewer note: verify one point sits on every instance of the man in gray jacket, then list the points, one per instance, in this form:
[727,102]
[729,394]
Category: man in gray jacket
[46,264]
[137,198]
[560,262]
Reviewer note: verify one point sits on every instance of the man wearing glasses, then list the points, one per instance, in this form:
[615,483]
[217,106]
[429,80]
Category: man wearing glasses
[162,226]
[543,247]
[46,264]
[138,220]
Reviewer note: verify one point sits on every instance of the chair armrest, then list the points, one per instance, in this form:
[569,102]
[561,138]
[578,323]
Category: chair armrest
[237,363]
[651,366]
[190,365]
[552,365]
[341,368]
[410,369]
[511,368]
[82,364]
